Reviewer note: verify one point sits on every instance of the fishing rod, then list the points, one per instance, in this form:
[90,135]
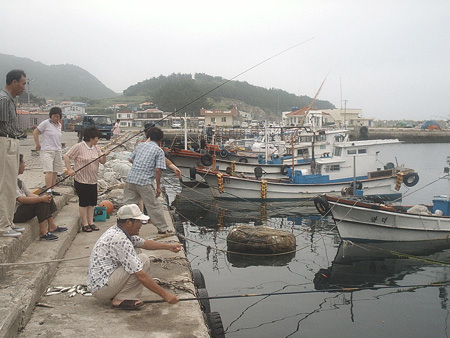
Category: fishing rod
[188,104]
[351,289]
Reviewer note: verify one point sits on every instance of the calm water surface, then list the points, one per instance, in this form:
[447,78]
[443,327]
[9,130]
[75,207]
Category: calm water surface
[321,266]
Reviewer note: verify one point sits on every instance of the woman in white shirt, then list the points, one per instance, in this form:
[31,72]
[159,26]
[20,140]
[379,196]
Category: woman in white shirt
[50,147]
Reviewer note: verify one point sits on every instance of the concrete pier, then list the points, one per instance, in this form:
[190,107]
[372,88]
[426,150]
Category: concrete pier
[26,311]
[408,135]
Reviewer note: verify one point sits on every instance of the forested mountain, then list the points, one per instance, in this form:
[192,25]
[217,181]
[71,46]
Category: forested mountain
[175,91]
[61,82]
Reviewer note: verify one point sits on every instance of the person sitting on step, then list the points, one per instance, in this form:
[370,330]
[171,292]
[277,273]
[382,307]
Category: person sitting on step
[29,205]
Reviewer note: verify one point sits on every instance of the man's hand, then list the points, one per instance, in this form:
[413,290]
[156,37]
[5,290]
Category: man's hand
[158,192]
[46,198]
[175,247]
[171,298]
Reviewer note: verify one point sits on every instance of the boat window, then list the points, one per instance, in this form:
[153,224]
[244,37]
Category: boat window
[351,151]
[337,151]
[321,137]
[302,151]
[333,167]
[305,139]
[362,151]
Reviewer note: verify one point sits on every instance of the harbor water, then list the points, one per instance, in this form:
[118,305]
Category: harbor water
[327,288]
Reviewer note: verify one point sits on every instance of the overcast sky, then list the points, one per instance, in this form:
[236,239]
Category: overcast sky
[390,58]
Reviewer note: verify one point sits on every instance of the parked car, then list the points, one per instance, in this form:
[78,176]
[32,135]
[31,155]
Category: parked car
[176,125]
[244,124]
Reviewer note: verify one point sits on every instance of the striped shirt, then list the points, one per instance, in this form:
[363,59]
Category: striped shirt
[146,158]
[81,154]
[8,116]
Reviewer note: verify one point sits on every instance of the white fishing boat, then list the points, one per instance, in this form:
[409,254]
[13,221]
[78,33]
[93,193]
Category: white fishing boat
[268,164]
[353,164]
[367,221]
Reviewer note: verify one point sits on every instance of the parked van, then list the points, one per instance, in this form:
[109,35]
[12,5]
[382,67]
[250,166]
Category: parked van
[254,124]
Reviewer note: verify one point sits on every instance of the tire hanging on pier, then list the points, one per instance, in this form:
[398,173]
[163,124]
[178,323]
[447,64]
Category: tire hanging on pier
[215,325]
[284,169]
[243,160]
[199,279]
[206,306]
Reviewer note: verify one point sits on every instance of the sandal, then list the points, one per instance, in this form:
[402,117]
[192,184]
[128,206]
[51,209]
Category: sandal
[94,227]
[86,228]
[129,305]
[166,232]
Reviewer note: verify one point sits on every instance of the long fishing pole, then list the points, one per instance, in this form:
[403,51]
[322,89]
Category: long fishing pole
[191,102]
[351,289]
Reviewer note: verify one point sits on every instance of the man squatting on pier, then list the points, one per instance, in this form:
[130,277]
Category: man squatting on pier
[116,271]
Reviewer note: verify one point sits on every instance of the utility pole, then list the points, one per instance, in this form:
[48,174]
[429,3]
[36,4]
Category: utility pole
[345,113]
[29,109]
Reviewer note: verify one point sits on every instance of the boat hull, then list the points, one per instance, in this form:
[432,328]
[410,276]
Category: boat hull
[252,189]
[360,223]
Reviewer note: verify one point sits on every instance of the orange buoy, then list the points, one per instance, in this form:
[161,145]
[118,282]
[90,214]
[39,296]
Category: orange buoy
[109,206]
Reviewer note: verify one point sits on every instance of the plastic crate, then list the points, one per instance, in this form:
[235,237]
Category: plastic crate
[100,214]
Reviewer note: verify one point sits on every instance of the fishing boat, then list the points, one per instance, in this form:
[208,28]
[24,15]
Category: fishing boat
[353,165]
[361,220]
[308,145]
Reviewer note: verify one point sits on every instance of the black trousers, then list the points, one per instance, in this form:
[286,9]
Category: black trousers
[42,210]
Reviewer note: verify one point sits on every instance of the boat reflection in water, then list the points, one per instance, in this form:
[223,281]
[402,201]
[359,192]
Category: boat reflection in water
[380,263]
[202,209]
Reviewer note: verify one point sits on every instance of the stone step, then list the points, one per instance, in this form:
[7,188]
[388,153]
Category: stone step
[22,285]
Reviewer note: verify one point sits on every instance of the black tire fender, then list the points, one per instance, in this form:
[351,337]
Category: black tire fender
[284,169]
[363,130]
[411,179]
[243,160]
[206,160]
[322,205]
[215,325]
[204,301]
[358,185]
[199,280]
[223,153]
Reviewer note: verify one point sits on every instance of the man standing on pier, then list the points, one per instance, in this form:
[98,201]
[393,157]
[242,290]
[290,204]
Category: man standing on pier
[116,271]
[148,162]
[9,150]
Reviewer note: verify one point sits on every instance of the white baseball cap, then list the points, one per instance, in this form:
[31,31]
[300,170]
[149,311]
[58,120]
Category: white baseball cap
[131,211]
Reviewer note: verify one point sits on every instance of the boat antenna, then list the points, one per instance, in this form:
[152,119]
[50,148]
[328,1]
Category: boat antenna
[313,101]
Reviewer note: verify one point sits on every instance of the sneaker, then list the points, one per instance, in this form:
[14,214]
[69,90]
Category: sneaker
[16,228]
[48,237]
[11,233]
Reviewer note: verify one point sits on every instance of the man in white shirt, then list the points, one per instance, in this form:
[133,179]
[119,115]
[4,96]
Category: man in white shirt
[116,271]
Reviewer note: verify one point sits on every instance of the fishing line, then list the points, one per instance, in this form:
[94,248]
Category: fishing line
[191,102]
[353,289]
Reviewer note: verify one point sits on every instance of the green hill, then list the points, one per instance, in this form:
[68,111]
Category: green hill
[177,90]
[61,82]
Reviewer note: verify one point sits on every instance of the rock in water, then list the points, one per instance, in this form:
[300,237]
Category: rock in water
[260,239]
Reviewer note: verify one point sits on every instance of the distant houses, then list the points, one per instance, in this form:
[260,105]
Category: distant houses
[325,117]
